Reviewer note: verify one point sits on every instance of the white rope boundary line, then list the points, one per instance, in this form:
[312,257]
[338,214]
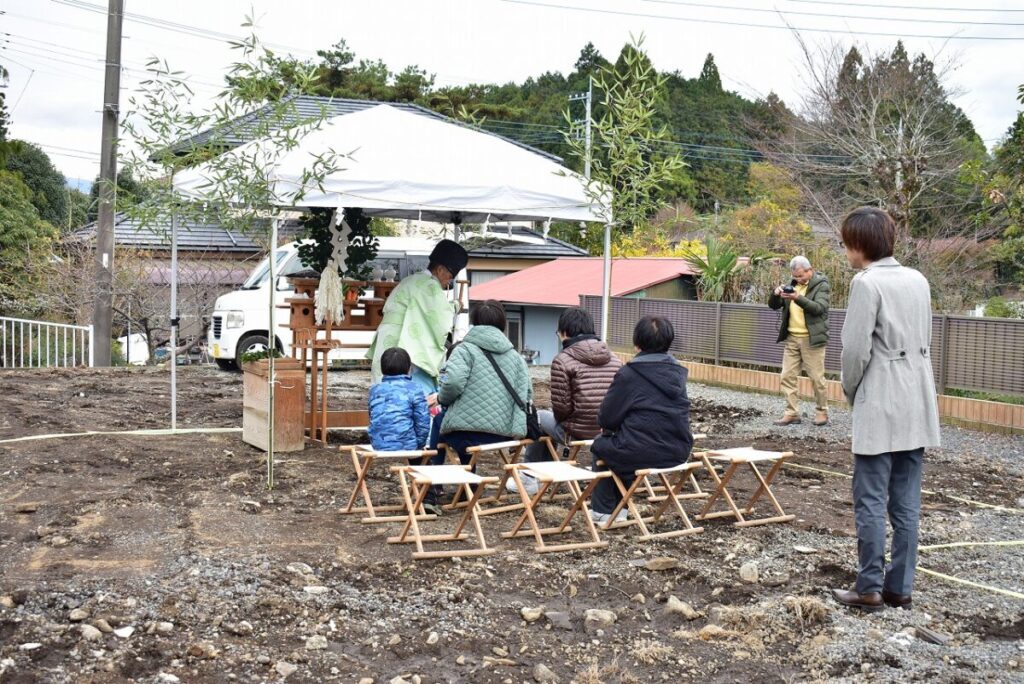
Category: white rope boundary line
[139,433]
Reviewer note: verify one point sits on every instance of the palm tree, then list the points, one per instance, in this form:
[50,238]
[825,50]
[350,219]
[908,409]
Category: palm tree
[716,266]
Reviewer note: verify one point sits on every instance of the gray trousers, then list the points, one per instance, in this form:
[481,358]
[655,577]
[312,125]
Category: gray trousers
[552,428]
[887,482]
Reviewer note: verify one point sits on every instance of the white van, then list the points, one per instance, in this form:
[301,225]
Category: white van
[240,320]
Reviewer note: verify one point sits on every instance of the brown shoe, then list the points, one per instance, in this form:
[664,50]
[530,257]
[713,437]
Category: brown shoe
[897,600]
[871,602]
[788,420]
[821,418]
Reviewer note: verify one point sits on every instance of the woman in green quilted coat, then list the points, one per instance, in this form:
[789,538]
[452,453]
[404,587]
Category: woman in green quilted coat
[480,409]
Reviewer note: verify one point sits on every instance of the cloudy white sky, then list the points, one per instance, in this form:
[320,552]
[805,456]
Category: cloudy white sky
[53,49]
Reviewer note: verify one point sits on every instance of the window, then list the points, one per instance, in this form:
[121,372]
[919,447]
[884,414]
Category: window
[481,277]
[514,329]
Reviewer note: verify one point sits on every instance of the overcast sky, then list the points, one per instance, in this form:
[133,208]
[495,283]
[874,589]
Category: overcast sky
[54,48]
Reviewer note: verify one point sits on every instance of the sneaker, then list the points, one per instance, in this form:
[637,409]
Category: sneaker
[602,518]
[530,483]
[432,508]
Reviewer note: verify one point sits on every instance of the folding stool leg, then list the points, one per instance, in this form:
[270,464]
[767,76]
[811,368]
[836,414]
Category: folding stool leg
[765,482]
[673,500]
[528,514]
[627,503]
[721,490]
[411,524]
[456,500]
[581,505]
[360,484]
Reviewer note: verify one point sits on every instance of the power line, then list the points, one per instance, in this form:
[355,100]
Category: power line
[930,8]
[914,20]
[724,22]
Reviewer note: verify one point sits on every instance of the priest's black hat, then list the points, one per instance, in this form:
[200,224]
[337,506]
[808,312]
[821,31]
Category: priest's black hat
[451,255]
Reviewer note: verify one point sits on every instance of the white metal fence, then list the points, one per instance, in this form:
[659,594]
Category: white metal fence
[41,344]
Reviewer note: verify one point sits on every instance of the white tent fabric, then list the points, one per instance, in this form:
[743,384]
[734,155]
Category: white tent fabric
[405,165]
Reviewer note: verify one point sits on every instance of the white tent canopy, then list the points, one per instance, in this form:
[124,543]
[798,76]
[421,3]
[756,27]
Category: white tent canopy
[405,165]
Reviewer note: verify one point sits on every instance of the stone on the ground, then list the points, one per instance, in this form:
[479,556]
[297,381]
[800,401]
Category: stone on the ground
[931,636]
[395,640]
[749,572]
[243,628]
[639,598]
[500,651]
[285,669]
[103,626]
[90,633]
[805,549]
[675,606]
[316,590]
[250,506]
[164,627]
[203,650]
[366,680]
[661,564]
[6,601]
[541,673]
[559,620]
[77,615]
[532,614]
[300,569]
[124,632]
[317,642]
[433,638]
[595,619]
[166,678]
[30,646]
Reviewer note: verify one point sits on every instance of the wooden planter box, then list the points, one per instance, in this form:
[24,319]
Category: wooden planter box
[289,404]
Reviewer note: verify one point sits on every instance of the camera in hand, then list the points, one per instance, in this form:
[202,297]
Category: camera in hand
[788,289]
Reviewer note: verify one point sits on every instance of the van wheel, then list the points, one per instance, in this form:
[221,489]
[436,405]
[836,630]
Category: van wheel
[252,344]
[226,364]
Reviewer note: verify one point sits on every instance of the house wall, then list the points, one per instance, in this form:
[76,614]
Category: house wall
[540,324]
[680,288]
[499,264]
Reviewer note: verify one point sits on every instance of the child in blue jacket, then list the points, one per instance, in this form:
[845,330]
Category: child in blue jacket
[399,418]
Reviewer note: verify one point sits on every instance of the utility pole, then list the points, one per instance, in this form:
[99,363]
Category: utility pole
[103,307]
[587,98]
[606,287]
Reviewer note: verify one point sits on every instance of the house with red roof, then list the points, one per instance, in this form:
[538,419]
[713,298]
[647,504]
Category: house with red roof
[536,296]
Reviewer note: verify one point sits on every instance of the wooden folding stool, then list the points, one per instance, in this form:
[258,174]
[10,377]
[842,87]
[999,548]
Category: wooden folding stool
[416,481]
[548,474]
[735,458]
[656,492]
[363,457]
[672,482]
[509,453]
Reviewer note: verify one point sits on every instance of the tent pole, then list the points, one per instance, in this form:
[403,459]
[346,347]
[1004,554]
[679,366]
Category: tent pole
[271,348]
[606,289]
[174,319]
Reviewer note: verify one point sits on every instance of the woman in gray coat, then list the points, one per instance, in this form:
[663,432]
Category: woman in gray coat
[887,378]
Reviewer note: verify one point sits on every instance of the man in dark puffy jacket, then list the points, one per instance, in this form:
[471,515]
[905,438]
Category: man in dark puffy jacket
[645,415]
[580,376]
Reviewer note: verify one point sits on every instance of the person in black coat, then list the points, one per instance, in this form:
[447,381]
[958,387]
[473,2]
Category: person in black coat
[645,416]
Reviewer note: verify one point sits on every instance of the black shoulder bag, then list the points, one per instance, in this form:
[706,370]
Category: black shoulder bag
[533,430]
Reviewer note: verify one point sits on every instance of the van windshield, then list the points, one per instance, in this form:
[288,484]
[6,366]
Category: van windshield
[259,276]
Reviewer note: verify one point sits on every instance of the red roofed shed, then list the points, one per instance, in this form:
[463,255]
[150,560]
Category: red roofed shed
[535,297]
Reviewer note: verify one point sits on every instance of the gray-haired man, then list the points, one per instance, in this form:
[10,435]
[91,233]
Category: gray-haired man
[804,329]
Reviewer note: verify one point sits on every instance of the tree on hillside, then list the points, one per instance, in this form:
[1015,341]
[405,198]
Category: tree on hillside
[44,181]
[4,120]
[130,191]
[709,78]
[25,242]
[881,129]
[625,156]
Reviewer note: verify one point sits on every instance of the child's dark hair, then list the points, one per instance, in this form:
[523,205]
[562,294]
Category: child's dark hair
[395,361]
[653,334]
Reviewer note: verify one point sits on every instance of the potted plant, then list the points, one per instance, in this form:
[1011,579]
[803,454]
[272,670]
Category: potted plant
[289,401]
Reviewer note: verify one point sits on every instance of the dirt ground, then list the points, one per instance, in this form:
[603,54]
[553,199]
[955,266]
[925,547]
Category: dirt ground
[163,559]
